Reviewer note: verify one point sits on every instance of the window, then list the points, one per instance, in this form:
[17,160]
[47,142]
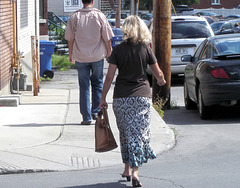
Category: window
[216,2]
[23,13]
[41,9]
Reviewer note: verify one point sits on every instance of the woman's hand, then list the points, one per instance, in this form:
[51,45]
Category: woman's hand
[161,82]
[103,104]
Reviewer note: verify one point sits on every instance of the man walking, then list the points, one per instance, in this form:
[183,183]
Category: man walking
[89,41]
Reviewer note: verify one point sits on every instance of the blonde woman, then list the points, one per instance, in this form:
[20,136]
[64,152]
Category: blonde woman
[132,95]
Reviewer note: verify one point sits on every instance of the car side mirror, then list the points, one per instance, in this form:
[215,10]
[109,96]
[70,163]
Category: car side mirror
[186,58]
[221,30]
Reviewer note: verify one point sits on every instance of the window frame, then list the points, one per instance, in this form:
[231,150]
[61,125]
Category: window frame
[215,2]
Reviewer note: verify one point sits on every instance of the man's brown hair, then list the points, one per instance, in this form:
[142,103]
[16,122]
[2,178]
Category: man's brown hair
[86,1]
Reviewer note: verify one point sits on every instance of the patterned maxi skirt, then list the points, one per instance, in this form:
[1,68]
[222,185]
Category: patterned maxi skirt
[133,121]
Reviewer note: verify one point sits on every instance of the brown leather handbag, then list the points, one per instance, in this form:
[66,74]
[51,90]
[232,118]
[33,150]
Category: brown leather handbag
[104,139]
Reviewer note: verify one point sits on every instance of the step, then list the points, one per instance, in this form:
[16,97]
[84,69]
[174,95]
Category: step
[9,100]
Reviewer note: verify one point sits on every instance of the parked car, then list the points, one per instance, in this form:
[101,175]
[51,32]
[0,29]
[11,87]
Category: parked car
[187,34]
[231,17]
[215,16]
[227,27]
[213,75]
[181,8]
[117,39]
[113,15]
[209,19]
[112,22]
[217,25]
[146,16]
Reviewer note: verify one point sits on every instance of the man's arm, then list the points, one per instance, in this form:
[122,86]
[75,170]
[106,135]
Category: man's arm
[108,45]
[70,50]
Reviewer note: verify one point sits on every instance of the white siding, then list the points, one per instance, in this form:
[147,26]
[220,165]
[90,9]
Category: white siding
[27,26]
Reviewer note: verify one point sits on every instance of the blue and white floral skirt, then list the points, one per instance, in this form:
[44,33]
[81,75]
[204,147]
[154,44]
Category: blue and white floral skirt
[133,121]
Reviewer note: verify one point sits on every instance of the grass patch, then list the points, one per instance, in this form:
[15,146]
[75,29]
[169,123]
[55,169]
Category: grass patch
[174,132]
[44,79]
[159,105]
[61,62]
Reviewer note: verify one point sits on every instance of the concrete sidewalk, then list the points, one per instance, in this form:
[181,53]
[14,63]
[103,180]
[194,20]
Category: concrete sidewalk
[44,134]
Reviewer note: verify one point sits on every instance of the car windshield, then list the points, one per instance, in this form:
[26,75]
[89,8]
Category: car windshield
[190,29]
[216,25]
[226,46]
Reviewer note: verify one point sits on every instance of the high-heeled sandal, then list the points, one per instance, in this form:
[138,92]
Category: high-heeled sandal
[136,183]
[128,177]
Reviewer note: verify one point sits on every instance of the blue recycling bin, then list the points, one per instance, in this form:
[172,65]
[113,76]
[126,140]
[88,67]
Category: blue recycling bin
[46,51]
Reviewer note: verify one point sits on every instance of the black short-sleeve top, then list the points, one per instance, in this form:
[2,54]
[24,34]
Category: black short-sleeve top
[132,61]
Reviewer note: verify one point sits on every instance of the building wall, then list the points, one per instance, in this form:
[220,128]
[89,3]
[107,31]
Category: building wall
[57,6]
[44,24]
[228,4]
[6,47]
[28,25]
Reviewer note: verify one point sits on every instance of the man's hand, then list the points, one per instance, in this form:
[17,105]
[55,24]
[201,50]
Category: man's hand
[71,59]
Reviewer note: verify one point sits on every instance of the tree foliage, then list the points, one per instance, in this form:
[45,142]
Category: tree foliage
[143,4]
[147,4]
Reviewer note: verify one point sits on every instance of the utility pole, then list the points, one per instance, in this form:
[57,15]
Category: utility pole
[162,48]
[133,7]
[118,13]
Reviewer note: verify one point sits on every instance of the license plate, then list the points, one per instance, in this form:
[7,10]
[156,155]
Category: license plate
[181,51]
[118,42]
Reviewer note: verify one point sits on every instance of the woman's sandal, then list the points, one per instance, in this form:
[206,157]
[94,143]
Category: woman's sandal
[128,177]
[136,183]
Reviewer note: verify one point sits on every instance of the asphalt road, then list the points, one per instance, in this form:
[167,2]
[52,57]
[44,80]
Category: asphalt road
[206,155]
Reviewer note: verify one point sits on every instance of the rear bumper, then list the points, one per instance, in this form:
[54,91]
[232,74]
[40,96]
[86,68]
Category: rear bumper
[220,93]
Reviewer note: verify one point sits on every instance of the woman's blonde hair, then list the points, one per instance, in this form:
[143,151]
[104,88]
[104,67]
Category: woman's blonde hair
[135,30]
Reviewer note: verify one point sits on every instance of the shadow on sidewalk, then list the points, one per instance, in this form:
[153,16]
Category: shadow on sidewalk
[45,125]
[103,185]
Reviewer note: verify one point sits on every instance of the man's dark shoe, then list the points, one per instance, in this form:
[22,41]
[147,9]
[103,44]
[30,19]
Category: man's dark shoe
[94,116]
[86,122]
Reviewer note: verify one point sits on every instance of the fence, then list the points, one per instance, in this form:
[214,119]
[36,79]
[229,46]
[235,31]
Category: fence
[223,12]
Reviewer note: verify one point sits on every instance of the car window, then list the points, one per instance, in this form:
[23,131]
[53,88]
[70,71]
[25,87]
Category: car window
[199,51]
[227,46]
[207,51]
[190,29]
[226,26]
[216,25]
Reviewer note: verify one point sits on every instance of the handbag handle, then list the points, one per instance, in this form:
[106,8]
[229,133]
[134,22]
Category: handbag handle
[103,116]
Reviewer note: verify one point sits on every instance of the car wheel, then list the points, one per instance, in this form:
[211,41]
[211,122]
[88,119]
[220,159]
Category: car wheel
[203,110]
[189,104]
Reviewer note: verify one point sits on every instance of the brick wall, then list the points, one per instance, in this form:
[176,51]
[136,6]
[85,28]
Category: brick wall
[228,4]
[6,41]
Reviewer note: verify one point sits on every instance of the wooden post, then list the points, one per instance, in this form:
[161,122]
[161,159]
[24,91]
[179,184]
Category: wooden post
[162,47]
[133,7]
[118,14]
[35,64]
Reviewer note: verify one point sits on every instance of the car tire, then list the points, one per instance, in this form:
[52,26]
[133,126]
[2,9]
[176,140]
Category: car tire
[204,111]
[189,104]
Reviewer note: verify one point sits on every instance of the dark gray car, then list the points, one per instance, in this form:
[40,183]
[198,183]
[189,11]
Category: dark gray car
[213,75]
